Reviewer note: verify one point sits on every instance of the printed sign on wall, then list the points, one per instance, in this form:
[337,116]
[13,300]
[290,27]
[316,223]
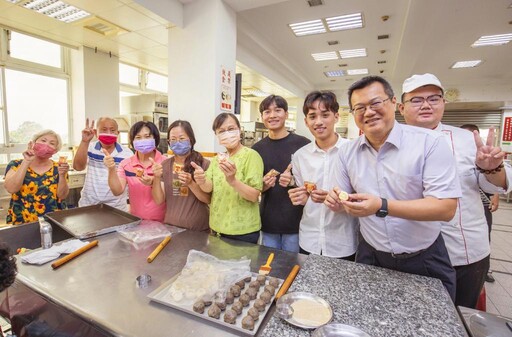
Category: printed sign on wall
[506,138]
[227,79]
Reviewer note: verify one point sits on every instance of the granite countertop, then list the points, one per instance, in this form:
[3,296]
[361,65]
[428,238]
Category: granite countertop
[379,301]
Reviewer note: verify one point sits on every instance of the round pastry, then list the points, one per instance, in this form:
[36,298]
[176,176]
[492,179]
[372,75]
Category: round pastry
[237,307]
[199,306]
[244,299]
[261,279]
[270,289]
[207,300]
[230,316]
[248,323]
[235,290]
[259,304]
[266,297]
[273,282]
[214,311]
[252,293]
[221,305]
[247,279]
[254,313]
[254,284]
[230,298]
[241,284]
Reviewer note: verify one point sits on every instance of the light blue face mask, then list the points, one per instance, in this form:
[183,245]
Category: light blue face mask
[144,145]
[180,148]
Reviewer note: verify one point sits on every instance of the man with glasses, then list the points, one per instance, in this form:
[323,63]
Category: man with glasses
[401,183]
[479,166]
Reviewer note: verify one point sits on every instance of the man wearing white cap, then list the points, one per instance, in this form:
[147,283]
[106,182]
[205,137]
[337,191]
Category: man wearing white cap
[478,166]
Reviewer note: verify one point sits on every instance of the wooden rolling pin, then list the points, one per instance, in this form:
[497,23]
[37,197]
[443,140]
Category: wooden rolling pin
[158,249]
[71,256]
[288,282]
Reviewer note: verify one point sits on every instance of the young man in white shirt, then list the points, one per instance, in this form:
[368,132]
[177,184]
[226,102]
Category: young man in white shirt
[321,230]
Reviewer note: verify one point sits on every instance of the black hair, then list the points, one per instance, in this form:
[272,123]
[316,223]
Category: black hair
[279,101]
[194,156]
[367,81]
[135,129]
[221,118]
[328,98]
[470,127]
[8,269]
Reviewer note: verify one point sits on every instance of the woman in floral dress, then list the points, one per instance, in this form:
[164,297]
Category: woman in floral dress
[38,184]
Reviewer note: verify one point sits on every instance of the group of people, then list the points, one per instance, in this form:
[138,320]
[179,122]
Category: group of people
[404,197]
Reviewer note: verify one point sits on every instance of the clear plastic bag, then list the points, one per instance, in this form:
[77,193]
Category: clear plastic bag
[204,276]
[148,232]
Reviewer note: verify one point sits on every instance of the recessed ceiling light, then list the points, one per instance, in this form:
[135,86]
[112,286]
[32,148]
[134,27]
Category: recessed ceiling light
[308,27]
[357,71]
[325,56]
[492,40]
[334,73]
[257,92]
[56,9]
[466,64]
[345,54]
[343,22]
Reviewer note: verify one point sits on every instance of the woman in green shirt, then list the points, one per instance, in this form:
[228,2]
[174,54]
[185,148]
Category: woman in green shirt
[235,180]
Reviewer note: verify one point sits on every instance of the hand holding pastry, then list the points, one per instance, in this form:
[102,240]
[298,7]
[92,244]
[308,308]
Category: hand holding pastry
[298,195]
[185,178]
[318,195]
[229,170]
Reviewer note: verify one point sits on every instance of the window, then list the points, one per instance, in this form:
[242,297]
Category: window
[128,75]
[156,82]
[23,46]
[140,81]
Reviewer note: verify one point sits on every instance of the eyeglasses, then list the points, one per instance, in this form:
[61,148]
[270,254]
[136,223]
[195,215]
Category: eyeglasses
[375,105]
[418,101]
[220,132]
[174,141]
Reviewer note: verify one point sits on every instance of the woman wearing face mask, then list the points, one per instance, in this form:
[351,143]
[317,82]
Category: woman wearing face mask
[38,184]
[235,184]
[173,183]
[136,172]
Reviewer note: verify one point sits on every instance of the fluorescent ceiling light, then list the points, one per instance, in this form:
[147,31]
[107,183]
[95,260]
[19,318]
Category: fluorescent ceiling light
[334,73]
[257,92]
[308,27]
[492,40]
[345,54]
[350,21]
[466,64]
[12,1]
[357,71]
[56,9]
[325,56]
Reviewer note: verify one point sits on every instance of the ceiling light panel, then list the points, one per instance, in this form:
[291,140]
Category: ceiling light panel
[350,21]
[334,73]
[257,92]
[325,56]
[349,53]
[56,9]
[357,71]
[12,1]
[492,40]
[308,27]
[466,64]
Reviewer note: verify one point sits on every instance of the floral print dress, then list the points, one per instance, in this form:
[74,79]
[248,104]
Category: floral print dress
[37,195]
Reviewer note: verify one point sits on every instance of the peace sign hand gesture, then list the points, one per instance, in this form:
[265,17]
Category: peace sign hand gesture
[88,132]
[488,156]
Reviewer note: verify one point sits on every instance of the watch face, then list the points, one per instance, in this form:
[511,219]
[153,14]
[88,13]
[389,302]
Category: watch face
[381,213]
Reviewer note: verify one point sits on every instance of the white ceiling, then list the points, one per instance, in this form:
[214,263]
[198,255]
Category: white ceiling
[424,36]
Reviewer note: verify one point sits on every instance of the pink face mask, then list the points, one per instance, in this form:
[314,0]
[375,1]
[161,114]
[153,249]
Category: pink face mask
[43,150]
[107,138]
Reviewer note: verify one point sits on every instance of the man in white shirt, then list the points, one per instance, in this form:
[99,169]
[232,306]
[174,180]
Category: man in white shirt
[321,231]
[401,182]
[478,166]
[90,155]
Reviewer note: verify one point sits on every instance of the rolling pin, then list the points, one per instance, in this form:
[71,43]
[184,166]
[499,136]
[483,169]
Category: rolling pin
[288,282]
[71,256]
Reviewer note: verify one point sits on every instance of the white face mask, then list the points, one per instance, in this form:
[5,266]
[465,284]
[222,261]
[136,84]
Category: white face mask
[229,139]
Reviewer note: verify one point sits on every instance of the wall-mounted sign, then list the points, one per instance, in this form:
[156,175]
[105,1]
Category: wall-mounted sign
[227,80]
[506,138]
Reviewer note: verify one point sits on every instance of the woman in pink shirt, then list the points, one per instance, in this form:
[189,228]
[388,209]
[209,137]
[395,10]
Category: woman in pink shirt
[137,172]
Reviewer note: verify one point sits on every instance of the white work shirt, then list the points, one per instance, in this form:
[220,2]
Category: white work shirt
[96,189]
[412,164]
[321,230]
[466,235]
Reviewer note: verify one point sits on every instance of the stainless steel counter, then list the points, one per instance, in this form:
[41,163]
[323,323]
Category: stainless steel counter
[99,289]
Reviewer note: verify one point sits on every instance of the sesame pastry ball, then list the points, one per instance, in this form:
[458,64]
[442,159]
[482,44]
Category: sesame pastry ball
[248,323]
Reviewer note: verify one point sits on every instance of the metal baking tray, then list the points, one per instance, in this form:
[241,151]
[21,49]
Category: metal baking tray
[90,221]
[159,295]
[287,301]
[338,330]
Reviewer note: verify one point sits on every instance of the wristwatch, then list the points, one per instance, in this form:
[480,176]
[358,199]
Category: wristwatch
[383,211]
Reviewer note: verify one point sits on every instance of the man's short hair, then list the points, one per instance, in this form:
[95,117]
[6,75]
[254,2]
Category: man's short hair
[367,81]
[470,127]
[279,101]
[328,98]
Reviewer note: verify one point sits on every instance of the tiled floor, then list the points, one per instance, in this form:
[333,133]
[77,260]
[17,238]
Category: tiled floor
[499,293]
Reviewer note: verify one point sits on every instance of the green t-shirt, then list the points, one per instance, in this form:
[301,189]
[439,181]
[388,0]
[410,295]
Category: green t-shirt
[230,213]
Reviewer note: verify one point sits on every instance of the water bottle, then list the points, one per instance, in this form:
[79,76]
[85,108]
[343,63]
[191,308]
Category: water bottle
[46,233]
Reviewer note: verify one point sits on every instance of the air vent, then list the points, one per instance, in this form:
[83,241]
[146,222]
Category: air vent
[103,27]
[381,62]
[332,43]
[383,37]
[314,3]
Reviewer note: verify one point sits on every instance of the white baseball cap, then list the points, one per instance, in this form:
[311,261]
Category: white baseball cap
[416,81]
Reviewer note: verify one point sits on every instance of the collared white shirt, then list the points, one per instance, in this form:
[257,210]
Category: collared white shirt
[321,230]
[466,235]
[412,164]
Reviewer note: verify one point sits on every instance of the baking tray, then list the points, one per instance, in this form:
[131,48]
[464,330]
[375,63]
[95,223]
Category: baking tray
[158,295]
[289,299]
[338,330]
[89,221]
